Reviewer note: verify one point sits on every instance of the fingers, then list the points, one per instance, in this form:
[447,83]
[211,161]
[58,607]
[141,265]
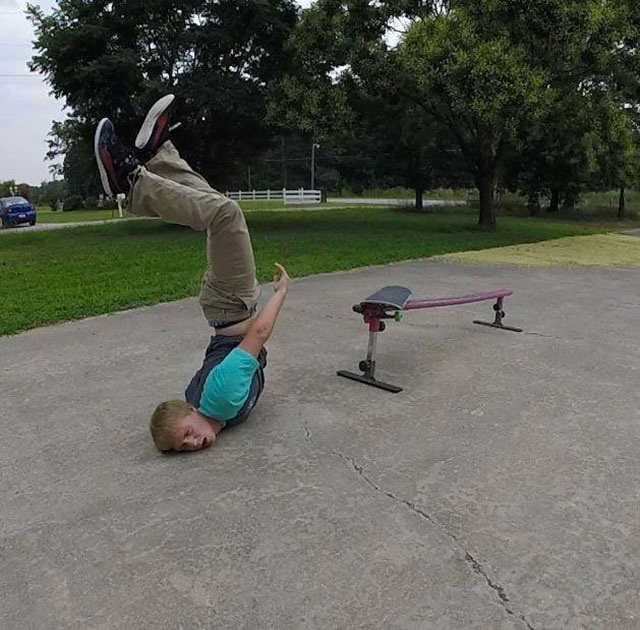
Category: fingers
[281,276]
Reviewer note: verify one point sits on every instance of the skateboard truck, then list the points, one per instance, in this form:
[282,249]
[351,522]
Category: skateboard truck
[498,308]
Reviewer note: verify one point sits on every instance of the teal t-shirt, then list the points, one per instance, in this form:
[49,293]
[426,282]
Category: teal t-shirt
[227,386]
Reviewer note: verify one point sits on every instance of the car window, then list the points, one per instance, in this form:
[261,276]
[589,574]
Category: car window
[9,201]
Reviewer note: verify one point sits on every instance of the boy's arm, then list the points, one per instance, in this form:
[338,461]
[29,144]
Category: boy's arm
[262,327]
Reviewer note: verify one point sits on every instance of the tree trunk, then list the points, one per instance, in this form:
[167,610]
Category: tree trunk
[622,204]
[284,163]
[533,203]
[554,206]
[487,218]
[419,195]
[569,202]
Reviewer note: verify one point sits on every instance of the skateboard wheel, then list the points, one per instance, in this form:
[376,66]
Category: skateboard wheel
[363,366]
[383,327]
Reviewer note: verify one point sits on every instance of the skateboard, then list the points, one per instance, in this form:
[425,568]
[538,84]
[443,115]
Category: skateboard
[387,298]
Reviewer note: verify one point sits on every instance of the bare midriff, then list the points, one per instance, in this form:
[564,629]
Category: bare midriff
[240,329]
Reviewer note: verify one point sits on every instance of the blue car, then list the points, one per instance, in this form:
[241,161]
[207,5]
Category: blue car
[15,210]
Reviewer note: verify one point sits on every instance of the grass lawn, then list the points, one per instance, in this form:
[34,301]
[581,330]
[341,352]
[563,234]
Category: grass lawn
[608,250]
[47,277]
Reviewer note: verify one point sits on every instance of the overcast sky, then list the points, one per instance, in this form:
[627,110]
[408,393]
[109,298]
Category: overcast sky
[26,108]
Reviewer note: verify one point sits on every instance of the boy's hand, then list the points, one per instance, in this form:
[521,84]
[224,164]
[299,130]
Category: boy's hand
[280,279]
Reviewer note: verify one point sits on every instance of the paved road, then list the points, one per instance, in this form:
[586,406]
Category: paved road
[499,491]
[47,227]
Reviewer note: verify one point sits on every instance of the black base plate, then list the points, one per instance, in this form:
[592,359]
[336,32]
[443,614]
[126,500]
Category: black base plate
[370,381]
[499,326]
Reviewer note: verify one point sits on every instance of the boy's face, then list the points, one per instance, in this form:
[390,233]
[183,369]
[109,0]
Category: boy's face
[192,433]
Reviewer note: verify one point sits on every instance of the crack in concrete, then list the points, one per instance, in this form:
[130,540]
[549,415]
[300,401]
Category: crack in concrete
[475,564]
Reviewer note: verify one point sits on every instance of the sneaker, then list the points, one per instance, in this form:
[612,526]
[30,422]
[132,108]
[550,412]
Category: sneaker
[117,162]
[155,128]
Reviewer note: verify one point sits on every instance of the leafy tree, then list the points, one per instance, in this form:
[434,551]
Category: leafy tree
[50,192]
[481,88]
[72,140]
[342,90]
[116,58]
[410,148]
[618,154]
[558,154]
[8,188]
[24,190]
[568,51]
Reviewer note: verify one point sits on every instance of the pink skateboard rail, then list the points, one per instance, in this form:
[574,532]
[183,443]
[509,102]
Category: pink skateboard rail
[453,301]
[373,315]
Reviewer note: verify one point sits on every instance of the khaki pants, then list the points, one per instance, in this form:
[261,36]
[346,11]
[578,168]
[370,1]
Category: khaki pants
[167,187]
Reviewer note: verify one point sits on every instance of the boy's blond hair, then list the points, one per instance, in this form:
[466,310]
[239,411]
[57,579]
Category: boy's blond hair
[163,419]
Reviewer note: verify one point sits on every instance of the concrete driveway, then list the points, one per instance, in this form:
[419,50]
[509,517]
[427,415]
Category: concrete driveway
[500,490]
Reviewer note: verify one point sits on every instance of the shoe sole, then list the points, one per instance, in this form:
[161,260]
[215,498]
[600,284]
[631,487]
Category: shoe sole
[103,173]
[157,109]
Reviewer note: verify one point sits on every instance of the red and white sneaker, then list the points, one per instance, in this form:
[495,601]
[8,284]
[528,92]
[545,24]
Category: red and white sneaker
[155,128]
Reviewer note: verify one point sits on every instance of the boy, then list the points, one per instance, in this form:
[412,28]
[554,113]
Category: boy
[159,183]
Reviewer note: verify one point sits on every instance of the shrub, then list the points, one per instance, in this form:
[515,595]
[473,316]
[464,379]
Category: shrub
[91,203]
[72,202]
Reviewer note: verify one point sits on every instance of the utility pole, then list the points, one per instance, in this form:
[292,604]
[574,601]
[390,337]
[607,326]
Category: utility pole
[284,163]
[314,146]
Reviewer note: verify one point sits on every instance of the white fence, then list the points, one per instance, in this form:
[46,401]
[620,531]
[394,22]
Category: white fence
[299,196]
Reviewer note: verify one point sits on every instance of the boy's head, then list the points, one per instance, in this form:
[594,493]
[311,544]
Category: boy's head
[177,426]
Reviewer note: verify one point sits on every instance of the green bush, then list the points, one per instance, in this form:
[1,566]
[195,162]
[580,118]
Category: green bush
[72,202]
[91,203]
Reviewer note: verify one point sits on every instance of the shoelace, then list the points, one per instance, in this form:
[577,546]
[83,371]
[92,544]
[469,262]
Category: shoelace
[132,177]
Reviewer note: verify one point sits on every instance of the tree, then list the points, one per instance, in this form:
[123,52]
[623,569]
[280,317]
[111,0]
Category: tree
[72,141]
[342,90]
[8,188]
[569,51]
[411,149]
[618,154]
[116,58]
[557,156]
[24,190]
[623,165]
[480,87]
[50,192]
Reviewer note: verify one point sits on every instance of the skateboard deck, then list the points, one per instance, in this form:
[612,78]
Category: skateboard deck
[392,297]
